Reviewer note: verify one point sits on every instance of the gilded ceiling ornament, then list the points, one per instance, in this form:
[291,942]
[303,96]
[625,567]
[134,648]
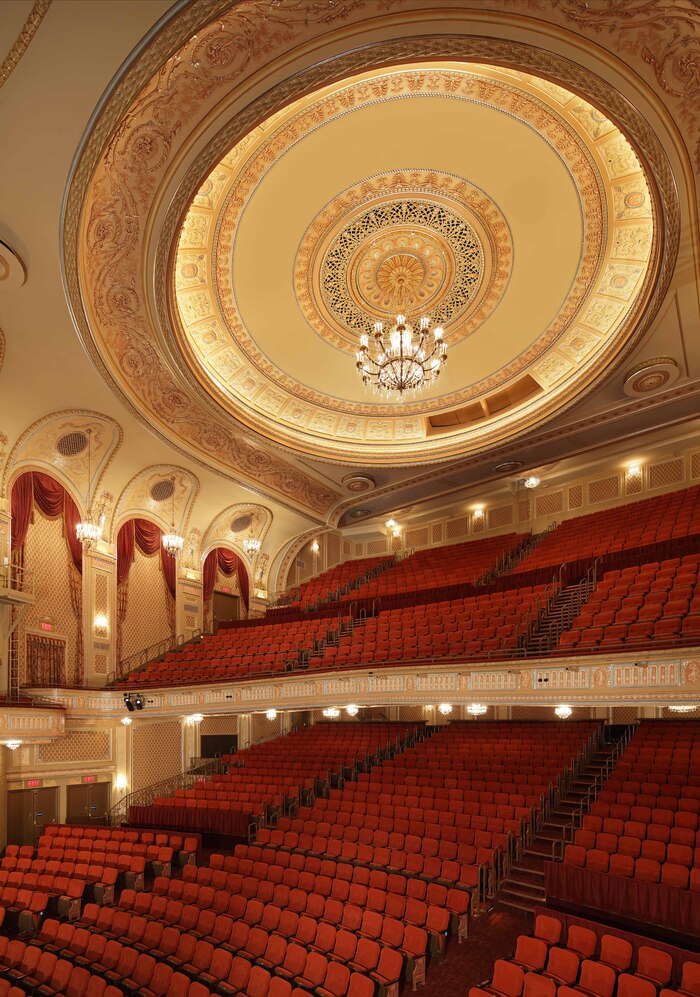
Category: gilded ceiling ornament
[11,61]
[124,183]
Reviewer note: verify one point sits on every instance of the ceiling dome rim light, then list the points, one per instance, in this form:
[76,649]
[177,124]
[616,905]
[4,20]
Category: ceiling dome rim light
[79,290]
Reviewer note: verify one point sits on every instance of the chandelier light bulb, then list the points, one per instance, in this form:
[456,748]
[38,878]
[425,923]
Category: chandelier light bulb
[563,712]
[352,710]
[271,714]
[127,721]
[531,482]
[445,709]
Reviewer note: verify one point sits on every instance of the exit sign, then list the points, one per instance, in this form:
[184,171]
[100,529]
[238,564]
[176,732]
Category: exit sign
[88,778]
[44,625]
[33,783]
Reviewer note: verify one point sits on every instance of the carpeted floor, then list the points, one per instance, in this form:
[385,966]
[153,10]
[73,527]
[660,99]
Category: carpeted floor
[491,937]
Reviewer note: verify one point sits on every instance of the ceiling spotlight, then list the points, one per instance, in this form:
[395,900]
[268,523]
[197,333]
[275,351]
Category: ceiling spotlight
[271,714]
[477,709]
[563,712]
[331,712]
[128,702]
[138,701]
[445,708]
[126,721]
[531,482]
[352,710]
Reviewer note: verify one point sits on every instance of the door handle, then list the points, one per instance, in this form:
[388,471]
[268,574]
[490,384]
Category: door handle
[40,813]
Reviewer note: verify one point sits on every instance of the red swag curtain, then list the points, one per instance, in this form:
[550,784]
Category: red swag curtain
[149,539]
[52,499]
[229,562]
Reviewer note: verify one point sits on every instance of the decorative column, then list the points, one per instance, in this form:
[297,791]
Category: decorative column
[123,761]
[286,722]
[99,613]
[188,602]
[5,607]
[243,731]
[191,740]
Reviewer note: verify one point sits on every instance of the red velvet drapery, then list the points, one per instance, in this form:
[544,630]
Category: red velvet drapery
[229,562]
[53,499]
[149,539]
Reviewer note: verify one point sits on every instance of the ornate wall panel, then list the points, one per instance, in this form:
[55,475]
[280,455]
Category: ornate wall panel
[670,472]
[78,746]
[149,608]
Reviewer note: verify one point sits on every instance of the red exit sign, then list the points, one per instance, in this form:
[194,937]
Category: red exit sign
[46,626]
[88,778]
[33,783]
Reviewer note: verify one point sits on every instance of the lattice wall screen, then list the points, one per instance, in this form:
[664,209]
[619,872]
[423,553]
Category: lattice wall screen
[634,483]
[456,528]
[624,714]
[500,516]
[377,546]
[219,725]
[101,664]
[695,465]
[359,550]
[478,522]
[147,617]
[523,510]
[436,534]
[547,713]
[604,489]
[418,538]
[78,746]
[575,496]
[670,472]
[549,503]
[262,729]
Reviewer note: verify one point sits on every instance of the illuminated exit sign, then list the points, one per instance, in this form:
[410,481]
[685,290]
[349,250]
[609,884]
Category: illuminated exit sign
[88,778]
[44,625]
[33,783]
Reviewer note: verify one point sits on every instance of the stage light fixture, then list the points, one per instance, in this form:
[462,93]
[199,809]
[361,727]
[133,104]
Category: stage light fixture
[138,701]
[128,702]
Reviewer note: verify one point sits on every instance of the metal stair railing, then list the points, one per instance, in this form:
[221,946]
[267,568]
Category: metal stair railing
[145,797]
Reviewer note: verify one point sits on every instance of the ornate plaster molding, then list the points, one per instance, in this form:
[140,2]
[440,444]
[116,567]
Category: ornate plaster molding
[25,36]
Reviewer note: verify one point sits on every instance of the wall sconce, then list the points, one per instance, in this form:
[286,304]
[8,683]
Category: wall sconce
[127,721]
[315,547]
[396,532]
[271,714]
[634,470]
[391,524]
[478,512]
[101,622]
[531,482]
[12,745]
[120,783]
[194,718]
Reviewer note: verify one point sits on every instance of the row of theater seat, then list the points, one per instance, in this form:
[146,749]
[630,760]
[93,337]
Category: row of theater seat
[654,600]
[329,583]
[545,966]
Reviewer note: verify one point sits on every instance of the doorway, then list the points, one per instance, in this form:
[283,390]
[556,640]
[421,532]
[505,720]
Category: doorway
[27,812]
[218,744]
[88,803]
[226,607]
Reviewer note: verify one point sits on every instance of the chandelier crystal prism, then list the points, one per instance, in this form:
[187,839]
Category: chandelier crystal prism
[89,531]
[403,362]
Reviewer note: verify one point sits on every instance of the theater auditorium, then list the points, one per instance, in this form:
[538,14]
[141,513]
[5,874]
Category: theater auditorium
[349,498]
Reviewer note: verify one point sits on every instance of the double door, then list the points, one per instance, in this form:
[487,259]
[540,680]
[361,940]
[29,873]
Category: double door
[28,810]
[88,803]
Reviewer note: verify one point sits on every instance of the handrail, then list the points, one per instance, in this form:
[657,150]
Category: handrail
[16,578]
[167,787]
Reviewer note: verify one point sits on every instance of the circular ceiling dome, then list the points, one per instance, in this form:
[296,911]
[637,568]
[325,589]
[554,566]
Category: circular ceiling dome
[524,227]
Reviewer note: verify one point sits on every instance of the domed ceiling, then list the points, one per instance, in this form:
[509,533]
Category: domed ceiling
[508,209]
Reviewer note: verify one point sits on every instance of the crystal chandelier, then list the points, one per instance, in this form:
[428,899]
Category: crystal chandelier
[445,709]
[406,362]
[89,531]
[172,542]
[683,708]
[563,711]
[477,709]
[251,545]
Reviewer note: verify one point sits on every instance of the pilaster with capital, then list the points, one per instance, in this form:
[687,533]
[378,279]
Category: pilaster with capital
[99,613]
